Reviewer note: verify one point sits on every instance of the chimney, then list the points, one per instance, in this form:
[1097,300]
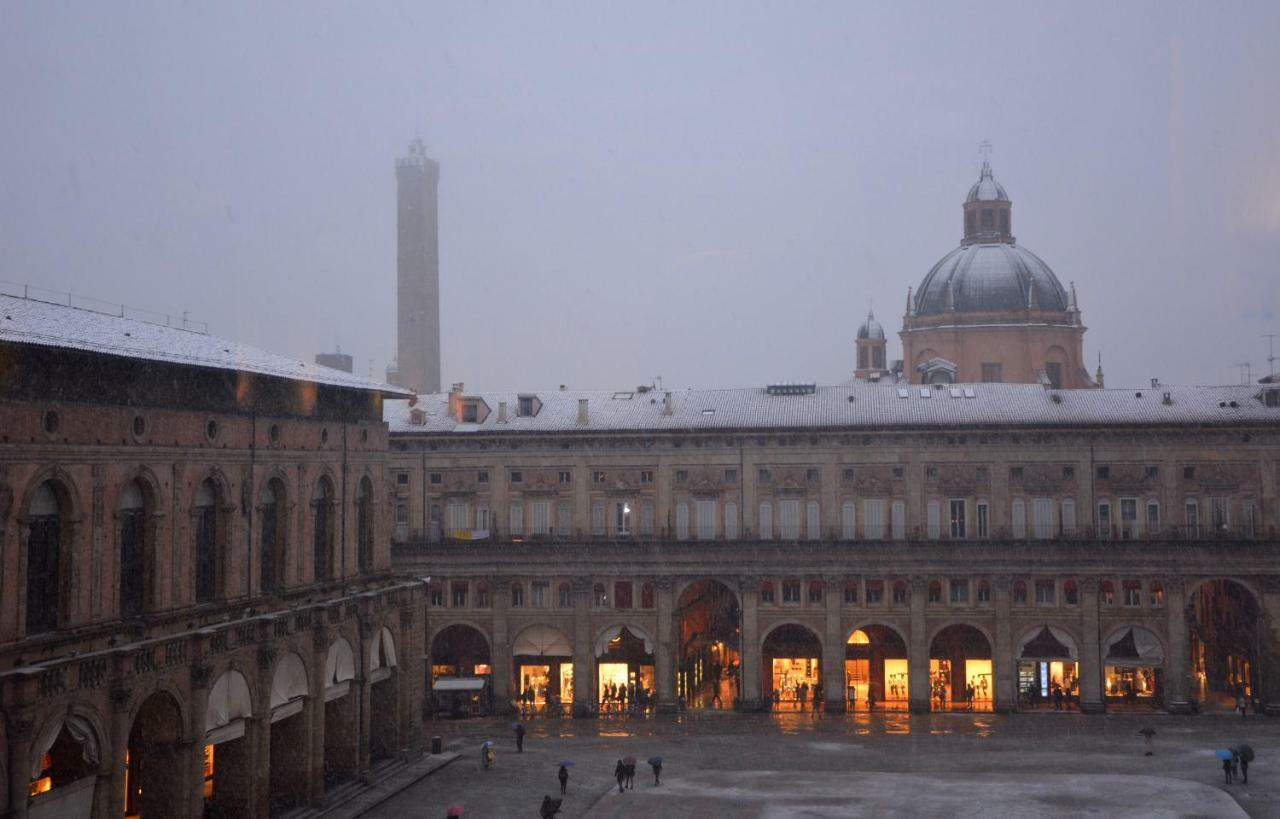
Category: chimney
[413,399]
[583,416]
[502,412]
[668,405]
[455,401]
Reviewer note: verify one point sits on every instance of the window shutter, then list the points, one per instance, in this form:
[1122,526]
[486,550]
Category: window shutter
[873,512]
[706,510]
[517,519]
[1068,515]
[765,523]
[935,520]
[646,518]
[682,522]
[564,519]
[813,524]
[731,521]
[1019,518]
[899,520]
[597,520]
[790,523]
[848,521]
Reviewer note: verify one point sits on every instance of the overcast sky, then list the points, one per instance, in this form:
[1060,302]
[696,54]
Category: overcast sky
[711,193]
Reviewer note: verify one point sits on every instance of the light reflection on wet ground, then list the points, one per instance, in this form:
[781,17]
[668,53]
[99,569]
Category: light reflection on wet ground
[822,745]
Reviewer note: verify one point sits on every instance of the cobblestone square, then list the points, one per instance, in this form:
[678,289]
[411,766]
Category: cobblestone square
[806,765]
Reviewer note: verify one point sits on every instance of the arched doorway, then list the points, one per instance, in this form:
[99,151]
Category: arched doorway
[1048,670]
[792,667]
[542,660]
[710,645]
[1224,643]
[960,674]
[155,767]
[64,769]
[875,669]
[384,681]
[341,749]
[624,670]
[289,732]
[461,681]
[1133,669]
[228,769]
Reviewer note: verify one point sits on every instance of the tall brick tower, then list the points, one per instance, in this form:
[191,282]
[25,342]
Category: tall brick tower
[418,271]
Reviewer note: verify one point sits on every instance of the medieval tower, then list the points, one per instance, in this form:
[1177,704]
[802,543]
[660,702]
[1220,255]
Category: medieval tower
[418,272]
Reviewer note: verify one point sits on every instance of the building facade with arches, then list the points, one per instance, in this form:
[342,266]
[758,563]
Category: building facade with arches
[200,616]
[987,546]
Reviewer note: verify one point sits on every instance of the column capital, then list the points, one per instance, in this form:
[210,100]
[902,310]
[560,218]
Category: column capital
[664,584]
[1090,585]
[582,585]
[917,584]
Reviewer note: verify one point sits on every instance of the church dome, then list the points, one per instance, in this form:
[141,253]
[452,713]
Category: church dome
[987,189]
[871,328]
[987,278]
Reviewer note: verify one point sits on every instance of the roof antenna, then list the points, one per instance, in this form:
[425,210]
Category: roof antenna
[1271,355]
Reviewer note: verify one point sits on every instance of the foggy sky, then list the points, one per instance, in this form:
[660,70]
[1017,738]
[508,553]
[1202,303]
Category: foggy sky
[713,195]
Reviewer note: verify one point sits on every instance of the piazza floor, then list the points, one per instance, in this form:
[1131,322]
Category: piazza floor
[801,765]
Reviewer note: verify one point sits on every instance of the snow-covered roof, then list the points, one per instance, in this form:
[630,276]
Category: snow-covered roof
[854,406]
[31,321]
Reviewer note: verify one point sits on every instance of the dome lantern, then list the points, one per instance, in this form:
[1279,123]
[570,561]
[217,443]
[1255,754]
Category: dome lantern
[988,212]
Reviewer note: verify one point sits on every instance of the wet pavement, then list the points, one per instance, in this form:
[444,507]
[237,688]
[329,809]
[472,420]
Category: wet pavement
[725,764]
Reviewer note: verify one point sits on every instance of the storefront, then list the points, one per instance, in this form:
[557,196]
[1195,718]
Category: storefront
[875,669]
[624,671]
[542,660]
[1048,673]
[792,670]
[960,675]
[1133,670]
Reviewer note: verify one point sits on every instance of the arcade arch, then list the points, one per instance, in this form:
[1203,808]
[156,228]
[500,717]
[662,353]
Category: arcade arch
[290,729]
[960,672]
[624,669]
[1133,668]
[1224,638]
[228,768]
[876,668]
[542,661]
[710,649]
[65,761]
[792,656]
[461,671]
[1048,669]
[341,750]
[156,770]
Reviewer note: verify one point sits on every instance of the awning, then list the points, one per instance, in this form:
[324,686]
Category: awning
[458,684]
[290,681]
[542,641]
[602,642]
[1048,643]
[81,731]
[340,665]
[228,701]
[382,650]
[1134,648]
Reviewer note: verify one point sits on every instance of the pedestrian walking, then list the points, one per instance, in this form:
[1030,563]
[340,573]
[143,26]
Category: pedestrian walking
[564,779]
[1226,769]
[1148,744]
[1244,771]
[519,737]
[550,807]
[1235,764]
[620,774]
[871,699]
[655,762]
[802,694]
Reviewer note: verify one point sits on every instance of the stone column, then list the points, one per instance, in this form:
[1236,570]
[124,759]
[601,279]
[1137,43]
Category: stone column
[1091,701]
[833,646]
[584,678]
[320,642]
[667,647]
[411,687]
[1006,695]
[500,647]
[22,732]
[752,665]
[201,679]
[1177,676]
[918,649]
[115,747]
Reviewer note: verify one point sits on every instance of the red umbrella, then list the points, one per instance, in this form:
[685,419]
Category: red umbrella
[628,760]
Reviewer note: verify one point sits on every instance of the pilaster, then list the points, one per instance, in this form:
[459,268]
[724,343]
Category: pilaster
[668,644]
[1091,700]
[833,646]
[751,671]
[500,647]
[584,682]
[918,650]
[1177,695]
[1005,663]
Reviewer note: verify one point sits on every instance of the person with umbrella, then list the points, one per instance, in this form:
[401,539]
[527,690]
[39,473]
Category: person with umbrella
[564,776]
[1147,734]
[486,753]
[655,762]
[519,726]
[1246,756]
[1225,755]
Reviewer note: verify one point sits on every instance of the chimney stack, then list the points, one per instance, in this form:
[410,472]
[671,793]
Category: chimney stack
[668,405]
[502,412]
[583,415]
[455,401]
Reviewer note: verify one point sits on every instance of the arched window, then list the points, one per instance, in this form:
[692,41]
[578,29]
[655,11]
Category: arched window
[984,593]
[364,524]
[136,573]
[566,596]
[646,596]
[1070,592]
[900,595]
[598,598]
[815,591]
[272,552]
[766,591]
[1019,593]
[208,568]
[483,596]
[1157,593]
[935,591]
[1108,593]
[45,558]
[321,529]
[517,595]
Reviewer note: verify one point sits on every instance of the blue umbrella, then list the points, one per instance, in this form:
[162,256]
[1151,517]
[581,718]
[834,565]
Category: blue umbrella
[655,760]
[1223,753]
[515,725]
[566,764]
[486,743]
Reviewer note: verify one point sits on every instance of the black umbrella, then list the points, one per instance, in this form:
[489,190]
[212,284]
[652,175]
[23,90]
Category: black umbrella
[1246,753]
